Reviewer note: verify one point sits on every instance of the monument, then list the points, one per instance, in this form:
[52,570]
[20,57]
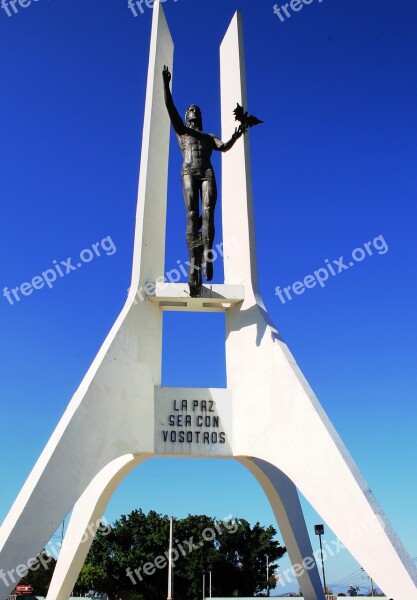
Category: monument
[199,183]
[252,421]
[199,180]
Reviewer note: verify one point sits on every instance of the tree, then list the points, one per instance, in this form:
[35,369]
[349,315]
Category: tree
[130,561]
[353,591]
[244,559]
[90,578]
[132,542]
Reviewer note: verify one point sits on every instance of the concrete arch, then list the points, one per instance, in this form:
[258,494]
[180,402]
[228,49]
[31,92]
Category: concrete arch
[84,523]
[283,497]
[85,519]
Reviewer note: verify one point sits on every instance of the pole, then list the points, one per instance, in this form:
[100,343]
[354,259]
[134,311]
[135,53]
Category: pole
[372,583]
[170,574]
[210,584]
[267,574]
[204,586]
[322,565]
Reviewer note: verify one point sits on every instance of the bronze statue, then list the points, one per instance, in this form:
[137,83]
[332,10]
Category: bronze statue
[198,181]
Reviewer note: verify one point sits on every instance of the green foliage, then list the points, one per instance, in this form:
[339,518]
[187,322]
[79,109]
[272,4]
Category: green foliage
[353,591]
[130,561]
[90,577]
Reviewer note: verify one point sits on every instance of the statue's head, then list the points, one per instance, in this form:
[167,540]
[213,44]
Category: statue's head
[194,118]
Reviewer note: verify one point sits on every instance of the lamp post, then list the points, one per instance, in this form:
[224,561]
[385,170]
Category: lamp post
[170,565]
[267,574]
[319,530]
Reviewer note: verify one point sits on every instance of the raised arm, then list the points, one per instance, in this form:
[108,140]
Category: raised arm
[174,115]
[225,146]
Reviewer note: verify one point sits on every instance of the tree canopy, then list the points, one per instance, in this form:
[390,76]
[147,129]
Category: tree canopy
[130,559]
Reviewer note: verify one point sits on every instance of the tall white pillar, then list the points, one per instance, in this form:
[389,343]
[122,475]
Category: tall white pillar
[111,415]
[277,418]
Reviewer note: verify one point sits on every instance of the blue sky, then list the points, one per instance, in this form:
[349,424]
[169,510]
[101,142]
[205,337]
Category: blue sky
[334,166]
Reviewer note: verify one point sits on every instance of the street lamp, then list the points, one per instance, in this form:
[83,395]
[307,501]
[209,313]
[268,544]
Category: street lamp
[319,530]
[267,574]
[170,562]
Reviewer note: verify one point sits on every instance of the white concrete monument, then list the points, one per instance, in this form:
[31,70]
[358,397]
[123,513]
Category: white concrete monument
[268,418]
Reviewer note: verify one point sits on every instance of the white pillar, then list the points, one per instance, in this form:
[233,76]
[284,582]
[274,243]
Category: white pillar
[240,266]
[277,417]
[112,412]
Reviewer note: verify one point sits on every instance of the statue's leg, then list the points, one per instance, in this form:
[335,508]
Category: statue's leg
[209,198]
[193,236]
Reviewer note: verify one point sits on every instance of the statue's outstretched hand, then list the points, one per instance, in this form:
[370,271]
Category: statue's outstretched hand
[166,75]
[238,132]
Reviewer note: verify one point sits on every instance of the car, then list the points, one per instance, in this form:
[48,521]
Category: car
[24,590]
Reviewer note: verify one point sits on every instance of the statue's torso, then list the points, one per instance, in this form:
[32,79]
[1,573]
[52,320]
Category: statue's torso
[196,148]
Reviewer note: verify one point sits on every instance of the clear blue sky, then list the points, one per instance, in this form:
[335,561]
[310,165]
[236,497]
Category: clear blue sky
[334,166]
